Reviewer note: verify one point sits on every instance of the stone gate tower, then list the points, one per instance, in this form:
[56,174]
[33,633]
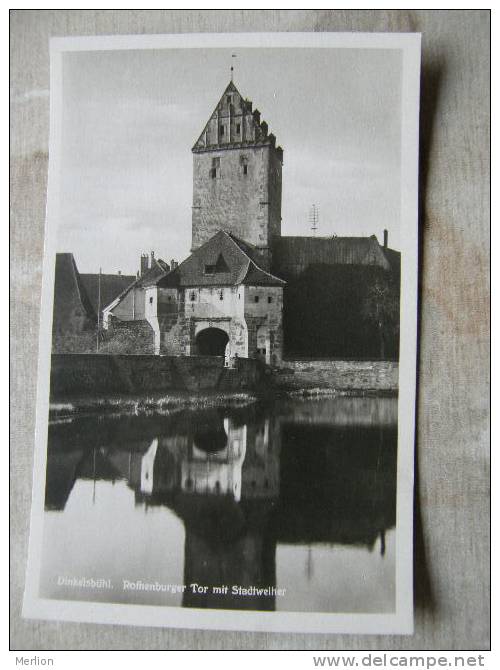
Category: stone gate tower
[237,177]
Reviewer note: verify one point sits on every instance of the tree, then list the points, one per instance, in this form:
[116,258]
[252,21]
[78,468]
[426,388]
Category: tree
[381,308]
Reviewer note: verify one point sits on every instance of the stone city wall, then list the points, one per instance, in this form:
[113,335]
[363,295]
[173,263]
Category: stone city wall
[75,374]
[339,375]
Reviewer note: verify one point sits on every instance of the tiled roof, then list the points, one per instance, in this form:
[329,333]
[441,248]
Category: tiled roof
[149,278]
[294,254]
[241,267]
[111,287]
[69,292]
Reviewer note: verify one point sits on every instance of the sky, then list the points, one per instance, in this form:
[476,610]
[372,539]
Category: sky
[130,118]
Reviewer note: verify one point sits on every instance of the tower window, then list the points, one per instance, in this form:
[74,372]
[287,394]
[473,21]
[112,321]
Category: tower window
[228,99]
[192,296]
[244,164]
[256,298]
[215,169]
[238,128]
[222,131]
[151,300]
[221,294]
[245,169]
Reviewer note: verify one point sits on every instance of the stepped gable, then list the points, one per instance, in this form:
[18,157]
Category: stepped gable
[234,124]
[292,255]
[222,261]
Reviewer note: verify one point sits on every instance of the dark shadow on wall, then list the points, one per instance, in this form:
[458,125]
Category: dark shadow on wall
[332,311]
[431,78]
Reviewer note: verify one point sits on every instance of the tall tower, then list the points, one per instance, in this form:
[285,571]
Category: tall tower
[237,176]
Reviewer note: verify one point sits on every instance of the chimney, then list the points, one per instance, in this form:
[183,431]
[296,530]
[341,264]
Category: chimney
[152,258]
[144,264]
[173,264]
[386,238]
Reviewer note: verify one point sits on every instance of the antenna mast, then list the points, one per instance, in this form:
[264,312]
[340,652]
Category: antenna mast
[314,218]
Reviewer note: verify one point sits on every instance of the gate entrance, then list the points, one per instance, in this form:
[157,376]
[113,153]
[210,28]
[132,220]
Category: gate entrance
[211,342]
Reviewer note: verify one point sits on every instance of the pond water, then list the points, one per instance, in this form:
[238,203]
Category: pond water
[285,506]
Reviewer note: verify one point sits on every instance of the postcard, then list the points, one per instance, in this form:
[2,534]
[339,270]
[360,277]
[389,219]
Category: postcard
[227,367]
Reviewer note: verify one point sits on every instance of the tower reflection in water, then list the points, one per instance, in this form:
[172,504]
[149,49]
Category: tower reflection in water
[242,481]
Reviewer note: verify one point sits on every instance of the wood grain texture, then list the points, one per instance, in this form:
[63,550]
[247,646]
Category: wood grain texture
[452,499]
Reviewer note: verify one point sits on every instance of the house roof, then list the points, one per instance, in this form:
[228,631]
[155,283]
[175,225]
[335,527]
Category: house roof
[110,287]
[234,257]
[158,269]
[293,253]
[242,125]
[69,291]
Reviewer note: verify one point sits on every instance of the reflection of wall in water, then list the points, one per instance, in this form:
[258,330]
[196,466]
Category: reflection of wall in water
[342,491]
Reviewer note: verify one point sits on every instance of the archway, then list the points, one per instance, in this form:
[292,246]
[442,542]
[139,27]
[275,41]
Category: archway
[211,342]
[210,434]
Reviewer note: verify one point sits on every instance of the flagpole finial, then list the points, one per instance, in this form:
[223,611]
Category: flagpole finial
[232,67]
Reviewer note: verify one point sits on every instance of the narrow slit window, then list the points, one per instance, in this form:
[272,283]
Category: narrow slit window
[256,298]
[244,164]
[215,169]
[222,131]
[269,298]
[221,294]
[238,128]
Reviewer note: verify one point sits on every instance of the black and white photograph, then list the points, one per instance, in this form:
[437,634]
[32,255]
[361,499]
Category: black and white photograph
[225,413]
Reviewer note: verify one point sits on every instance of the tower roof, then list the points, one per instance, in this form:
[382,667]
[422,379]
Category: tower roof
[234,123]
